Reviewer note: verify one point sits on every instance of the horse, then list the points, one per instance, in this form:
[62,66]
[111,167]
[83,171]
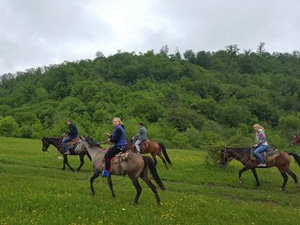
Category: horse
[56,142]
[282,162]
[134,165]
[152,147]
[296,139]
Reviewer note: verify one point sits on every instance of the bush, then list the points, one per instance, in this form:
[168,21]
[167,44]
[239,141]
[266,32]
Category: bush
[8,126]
[289,125]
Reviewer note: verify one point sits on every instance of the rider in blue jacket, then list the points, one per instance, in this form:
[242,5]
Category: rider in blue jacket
[71,136]
[119,139]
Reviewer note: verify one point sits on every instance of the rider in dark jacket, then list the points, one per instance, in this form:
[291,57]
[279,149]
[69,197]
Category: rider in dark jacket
[119,139]
[71,136]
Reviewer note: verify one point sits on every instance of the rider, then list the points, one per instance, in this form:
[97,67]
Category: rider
[141,136]
[119,139]
[261,143]
[71,136]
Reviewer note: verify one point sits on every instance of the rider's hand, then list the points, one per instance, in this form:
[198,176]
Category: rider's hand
[107,134]
[108,140]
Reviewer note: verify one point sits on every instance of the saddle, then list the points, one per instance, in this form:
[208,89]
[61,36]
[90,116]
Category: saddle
[72,144]
[118,159]
[268,155]
[143,145]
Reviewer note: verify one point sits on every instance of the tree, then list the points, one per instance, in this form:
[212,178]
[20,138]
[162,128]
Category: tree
[189,55]
[8,126]
[232,51]
[261,49]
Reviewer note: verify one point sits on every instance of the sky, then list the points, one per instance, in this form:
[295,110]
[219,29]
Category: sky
[37,33]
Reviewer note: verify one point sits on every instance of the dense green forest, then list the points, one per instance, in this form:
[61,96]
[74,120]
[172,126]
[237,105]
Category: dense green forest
[196,100]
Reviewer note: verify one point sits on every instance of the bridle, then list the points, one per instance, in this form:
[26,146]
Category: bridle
[225,156]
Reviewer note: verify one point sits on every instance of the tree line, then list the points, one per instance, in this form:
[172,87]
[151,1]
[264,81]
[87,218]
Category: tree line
[198,100]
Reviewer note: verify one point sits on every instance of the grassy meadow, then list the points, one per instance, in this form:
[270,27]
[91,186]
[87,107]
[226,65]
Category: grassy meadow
[34,190]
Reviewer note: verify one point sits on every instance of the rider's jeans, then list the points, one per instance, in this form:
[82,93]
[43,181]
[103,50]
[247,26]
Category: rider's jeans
[137,145]
[68,139]
[259,150]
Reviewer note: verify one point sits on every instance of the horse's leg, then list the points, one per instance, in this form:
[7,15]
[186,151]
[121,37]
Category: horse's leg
[154,158]
[256,177]
[67,162]
[285,179]
[64,162]
[96,174]
[294,177]
[81,157]
[111,186]
[138,188]
[88,155]
[163,159]
[145,178]
[240,174]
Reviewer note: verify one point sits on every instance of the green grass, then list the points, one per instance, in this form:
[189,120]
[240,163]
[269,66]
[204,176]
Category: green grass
[34,190]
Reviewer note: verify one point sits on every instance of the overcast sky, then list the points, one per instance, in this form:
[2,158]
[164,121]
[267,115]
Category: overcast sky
[36,33]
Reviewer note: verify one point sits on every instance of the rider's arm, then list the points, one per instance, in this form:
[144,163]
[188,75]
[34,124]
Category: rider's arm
[72,132]
[116,136]
[261,138]
[142,131]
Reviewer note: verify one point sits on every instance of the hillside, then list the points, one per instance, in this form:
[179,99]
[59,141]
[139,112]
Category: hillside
[191,100]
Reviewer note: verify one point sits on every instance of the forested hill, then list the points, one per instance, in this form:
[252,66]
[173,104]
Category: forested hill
[193,100]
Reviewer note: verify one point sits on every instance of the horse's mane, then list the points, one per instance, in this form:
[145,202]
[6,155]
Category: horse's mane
[56,138]
[91,142]
[239,149]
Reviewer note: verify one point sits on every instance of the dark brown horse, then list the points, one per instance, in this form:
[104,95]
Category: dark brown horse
[296,139]
[134,165]
[282,162]
[152,147]
[56,142]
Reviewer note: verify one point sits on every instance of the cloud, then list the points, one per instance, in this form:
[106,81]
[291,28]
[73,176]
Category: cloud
[37,33]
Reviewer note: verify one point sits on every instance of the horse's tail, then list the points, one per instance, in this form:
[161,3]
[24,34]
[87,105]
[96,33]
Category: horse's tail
[149,162]
[296,157]
[164,151]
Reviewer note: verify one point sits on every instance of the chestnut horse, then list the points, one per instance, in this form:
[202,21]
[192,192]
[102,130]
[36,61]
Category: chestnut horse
[152,147]
[134,165]
[56,142]
[282,162]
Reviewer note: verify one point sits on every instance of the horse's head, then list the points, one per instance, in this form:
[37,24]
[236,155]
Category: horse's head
[80,145]
[224,158]
[45,144]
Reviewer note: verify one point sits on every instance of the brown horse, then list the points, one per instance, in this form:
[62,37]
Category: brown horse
[152,147]
[296,139]
[56,142]
[134,165]
[282,162]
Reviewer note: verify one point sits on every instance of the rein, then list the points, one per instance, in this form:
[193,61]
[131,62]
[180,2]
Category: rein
[226,158]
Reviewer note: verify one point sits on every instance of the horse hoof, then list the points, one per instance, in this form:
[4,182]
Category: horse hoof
[159,203]
[282,189]
[63,168]
[93,193]
[76,171]
[241,183]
